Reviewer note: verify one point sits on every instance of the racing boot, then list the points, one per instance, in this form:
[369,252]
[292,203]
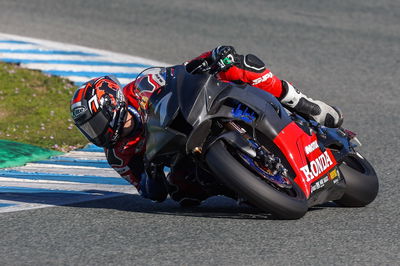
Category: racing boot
[183,187]
[321,112]
[153,185]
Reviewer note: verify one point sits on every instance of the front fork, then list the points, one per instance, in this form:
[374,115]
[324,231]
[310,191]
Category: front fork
[259,158]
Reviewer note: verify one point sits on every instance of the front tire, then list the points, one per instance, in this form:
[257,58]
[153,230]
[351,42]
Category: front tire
[257,191]
[361,181]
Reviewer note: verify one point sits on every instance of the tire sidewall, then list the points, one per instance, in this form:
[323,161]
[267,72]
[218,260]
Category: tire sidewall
[361,188]
[236,176]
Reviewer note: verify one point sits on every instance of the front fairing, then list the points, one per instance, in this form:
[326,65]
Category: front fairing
[315,166]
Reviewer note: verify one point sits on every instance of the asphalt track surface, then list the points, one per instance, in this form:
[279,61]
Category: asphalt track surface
[344,52]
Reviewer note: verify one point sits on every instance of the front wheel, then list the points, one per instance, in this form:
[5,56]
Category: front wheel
[361,181]
[235,174]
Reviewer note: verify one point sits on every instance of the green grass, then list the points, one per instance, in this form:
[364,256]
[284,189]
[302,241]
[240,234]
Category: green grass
[34,109]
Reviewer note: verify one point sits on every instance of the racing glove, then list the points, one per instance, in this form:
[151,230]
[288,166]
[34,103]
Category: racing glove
[217,60]
[222,58]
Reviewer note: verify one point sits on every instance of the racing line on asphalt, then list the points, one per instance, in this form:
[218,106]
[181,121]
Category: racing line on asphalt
[80,175]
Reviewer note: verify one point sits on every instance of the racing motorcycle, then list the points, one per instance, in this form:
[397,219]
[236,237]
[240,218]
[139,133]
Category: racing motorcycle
[266,155]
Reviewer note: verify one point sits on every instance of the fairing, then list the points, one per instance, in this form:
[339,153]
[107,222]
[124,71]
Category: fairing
[309,162]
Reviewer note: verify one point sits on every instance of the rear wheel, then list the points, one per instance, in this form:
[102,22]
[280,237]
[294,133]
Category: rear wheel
[361,181]
[238,173]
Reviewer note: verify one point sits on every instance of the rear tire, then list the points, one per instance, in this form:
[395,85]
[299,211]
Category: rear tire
[361,182]
[257,191]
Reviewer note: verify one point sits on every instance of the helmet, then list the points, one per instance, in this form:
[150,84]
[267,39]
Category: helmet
[98,109]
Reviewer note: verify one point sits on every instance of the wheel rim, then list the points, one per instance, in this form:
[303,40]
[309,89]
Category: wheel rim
[279,182]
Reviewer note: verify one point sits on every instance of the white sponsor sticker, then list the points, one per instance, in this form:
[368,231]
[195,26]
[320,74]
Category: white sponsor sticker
[311,147]
[319,184]
[262,79]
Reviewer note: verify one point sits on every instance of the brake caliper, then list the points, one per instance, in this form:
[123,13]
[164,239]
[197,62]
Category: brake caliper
[270,166]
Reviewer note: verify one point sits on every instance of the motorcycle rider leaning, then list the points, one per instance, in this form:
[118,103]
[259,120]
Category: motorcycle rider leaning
[112,117]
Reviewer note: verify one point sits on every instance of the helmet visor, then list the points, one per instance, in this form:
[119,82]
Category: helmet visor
[95,126]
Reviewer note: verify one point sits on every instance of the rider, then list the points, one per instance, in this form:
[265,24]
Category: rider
[112,117]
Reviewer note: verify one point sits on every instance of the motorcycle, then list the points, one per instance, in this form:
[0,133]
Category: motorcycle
[266,155]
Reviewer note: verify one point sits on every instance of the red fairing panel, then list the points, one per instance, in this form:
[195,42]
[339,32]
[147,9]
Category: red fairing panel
[304,155]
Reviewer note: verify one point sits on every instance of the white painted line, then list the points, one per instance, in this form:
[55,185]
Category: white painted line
[83,154]
[105,172]
[43,165]
[63,67]
[65,201]
[13,46]
[76,79]
[20,182]
[69,47]
[62,185]
[52,57]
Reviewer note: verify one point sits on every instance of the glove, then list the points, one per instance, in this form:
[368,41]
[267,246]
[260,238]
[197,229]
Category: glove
[223,57]
[197,66]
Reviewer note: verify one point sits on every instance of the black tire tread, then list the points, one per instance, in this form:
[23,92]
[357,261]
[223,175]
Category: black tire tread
[256,191]
[361,188]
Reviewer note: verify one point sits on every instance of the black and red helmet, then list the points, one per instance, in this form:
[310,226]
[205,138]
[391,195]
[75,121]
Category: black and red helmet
[98,109]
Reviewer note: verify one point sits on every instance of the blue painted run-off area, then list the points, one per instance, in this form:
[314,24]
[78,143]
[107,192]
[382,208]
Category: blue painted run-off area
[84,179]
[78,64]
[25,193]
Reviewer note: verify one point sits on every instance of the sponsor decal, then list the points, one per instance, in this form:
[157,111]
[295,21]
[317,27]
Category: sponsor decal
[319,184]
[78,111]
[311,147]
[262,79]
[317,166]
[333,174]
[159,79]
